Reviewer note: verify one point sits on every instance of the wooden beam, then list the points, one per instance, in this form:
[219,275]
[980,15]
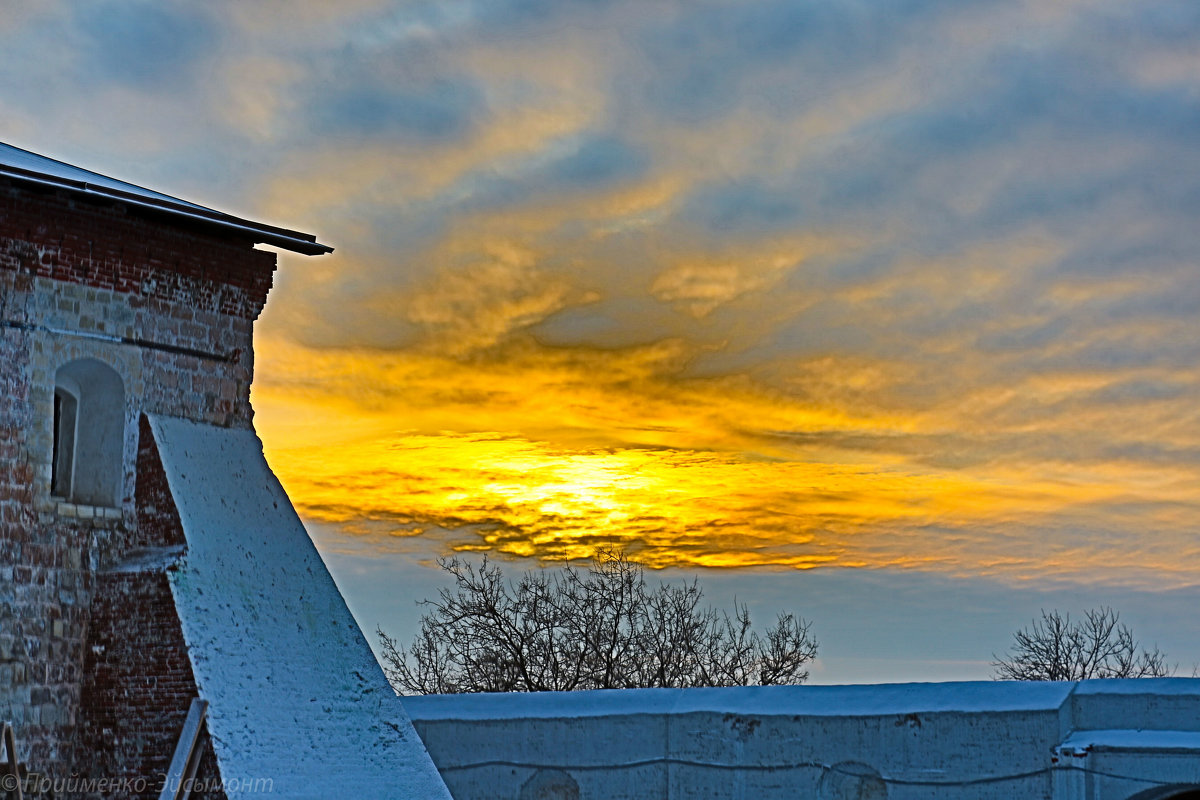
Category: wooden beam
[187,755]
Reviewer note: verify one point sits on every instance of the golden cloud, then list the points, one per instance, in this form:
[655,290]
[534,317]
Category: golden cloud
[550,453]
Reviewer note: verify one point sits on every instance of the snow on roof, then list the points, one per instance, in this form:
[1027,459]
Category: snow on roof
[32,162]
[295,694]
[821,701]
[1125,740]
[1148,686]
[33,168]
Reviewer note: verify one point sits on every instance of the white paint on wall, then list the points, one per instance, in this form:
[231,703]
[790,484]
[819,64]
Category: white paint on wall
[1094,740]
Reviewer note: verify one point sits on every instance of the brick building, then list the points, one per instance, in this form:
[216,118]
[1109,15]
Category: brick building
[148,557]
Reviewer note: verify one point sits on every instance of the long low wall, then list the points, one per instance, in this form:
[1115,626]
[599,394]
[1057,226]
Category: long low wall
[1097,740]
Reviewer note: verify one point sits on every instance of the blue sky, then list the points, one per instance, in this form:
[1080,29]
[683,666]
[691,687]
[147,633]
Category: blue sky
[887,313]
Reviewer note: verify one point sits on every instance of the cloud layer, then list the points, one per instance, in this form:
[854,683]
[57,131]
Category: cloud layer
[798,283]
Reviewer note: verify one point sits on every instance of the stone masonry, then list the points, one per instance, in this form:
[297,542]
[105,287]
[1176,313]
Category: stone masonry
[169,308]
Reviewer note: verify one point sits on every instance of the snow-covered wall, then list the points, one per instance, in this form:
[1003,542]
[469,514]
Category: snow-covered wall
[296,700]
[1095,740]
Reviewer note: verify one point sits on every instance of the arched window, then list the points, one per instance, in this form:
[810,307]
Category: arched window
[89,433]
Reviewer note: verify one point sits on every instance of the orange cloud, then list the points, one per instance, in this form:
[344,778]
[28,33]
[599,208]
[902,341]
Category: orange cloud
[552,453]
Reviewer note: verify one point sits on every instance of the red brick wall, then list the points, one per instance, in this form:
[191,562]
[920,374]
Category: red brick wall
[54,234]
[158,522]
[138,681]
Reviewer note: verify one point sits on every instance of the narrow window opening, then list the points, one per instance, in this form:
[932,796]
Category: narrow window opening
[66,410]
[89,434]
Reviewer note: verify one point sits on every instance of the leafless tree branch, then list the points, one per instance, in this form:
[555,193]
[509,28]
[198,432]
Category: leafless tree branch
[599,628]
[1099,646]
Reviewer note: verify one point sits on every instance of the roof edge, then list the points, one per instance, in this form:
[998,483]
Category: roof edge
[259,233]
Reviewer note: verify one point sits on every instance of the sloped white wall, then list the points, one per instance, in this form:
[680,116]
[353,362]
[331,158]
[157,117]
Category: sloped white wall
[296,697]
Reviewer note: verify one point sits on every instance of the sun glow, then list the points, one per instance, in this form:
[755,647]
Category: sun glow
[562,456]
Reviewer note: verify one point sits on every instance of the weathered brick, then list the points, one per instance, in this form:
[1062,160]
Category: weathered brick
[87,654]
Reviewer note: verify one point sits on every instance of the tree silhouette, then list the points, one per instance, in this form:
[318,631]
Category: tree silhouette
[602,627]
[1097,646]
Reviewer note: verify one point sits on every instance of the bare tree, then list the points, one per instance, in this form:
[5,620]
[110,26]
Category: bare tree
[1098,646]
[598,628]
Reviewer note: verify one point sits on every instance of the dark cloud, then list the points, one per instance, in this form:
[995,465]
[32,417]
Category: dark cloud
[146,45]
[495,17]
[742,207]
[1016,130]
[1117,350]
[596,161]
[704,62]
[1142,390]
[1022,338]
[1159,24]
[972,450]
[611,324]
[586,163]
[1022,103]
[444,110]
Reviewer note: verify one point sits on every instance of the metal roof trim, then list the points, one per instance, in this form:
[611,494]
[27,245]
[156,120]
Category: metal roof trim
[257,232]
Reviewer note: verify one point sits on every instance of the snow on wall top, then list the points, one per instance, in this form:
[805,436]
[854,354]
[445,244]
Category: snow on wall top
[1132,740]
[295,694]
[859,701]
[1150,686]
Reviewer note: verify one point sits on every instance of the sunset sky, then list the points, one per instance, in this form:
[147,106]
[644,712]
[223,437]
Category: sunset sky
[885,313]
